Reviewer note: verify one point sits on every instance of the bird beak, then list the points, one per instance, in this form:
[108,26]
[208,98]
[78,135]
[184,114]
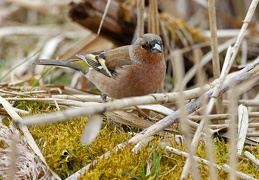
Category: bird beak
[156,48]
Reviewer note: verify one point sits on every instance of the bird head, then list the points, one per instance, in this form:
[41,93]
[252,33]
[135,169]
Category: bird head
[148,48]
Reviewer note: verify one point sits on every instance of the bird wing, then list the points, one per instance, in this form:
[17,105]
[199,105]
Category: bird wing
[106,62]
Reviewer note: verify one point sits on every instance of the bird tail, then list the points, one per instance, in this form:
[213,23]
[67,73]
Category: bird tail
[77,64]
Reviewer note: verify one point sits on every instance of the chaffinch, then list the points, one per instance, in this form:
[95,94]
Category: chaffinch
[132,70]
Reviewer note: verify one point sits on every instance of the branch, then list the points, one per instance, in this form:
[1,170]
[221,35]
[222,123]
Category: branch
[113,105]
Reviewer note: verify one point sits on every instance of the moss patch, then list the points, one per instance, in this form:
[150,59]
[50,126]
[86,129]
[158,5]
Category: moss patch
[61,146]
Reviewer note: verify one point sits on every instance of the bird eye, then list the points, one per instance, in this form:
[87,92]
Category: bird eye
[144,46]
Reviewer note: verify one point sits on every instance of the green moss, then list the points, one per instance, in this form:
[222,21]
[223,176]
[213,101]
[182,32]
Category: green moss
[120,165]
[61,146]
[60,142]
[34,107]
[221,151]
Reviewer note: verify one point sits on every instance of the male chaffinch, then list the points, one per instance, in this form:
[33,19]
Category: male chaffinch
[132,70]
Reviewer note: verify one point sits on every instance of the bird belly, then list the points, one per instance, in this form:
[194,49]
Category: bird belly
[130,80]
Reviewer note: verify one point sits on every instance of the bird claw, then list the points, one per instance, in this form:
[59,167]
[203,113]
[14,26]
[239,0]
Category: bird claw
[104,98]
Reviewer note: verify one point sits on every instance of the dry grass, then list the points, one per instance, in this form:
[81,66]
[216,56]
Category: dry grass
[205,118]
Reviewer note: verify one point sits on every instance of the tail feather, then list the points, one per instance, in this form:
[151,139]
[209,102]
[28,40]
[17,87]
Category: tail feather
[50,62]
[77,64]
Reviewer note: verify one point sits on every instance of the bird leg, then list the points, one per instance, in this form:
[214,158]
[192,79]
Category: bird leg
[104,98]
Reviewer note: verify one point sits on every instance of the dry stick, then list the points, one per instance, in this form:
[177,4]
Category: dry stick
[153,21]
[61,98]
[252,134]
[249,102]
[243,75]
[241,35]
[225,70]
[178,75]
[256,98]
[222,117]
[53,100]
[79,97]
[199,130]
[251,125]
[140,20]
[233,132]
[204,161]
[210,150]
[214,48]
[113,105]
[207,130]
[103,17]
[208,110]
[16,118]
[252,158]
[241,89]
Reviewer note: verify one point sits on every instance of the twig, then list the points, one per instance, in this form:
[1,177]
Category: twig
[214,38]
[252,134]
[243,121]
[208,138]
[119,104]
[219,126]
[199,130]
[178,75]
[53,100]
[140,17]
[252,158]
[227,65]
[214,47]
[153,21]
[241,35]
[204,161]
[103,17]
[221,117]
[215,94]
[247,102]
[233,96]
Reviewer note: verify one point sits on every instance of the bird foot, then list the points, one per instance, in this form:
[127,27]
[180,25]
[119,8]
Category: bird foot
[104,98]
